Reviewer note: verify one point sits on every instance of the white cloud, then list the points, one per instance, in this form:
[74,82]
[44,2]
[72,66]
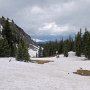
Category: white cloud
[47,17]
[53,29]
[39,40]
[36,10]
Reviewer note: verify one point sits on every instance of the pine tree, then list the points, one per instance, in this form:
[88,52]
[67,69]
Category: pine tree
[7,32]
[22,52]
[78,44]
[70,42]
[84,40]
[19,55]
[40,52]
[1,49]
[36,55]
[60,51]
[86,44]
[4,48]
[65,48]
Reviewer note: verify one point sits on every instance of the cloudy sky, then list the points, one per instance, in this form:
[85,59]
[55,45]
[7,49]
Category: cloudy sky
[48,19]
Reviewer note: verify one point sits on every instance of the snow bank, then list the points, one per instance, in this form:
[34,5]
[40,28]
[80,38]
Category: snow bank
[32,53]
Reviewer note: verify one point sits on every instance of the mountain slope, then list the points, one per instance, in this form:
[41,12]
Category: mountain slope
[18,32]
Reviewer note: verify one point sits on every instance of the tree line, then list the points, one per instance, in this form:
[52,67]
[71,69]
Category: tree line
[11,45]
[80,44]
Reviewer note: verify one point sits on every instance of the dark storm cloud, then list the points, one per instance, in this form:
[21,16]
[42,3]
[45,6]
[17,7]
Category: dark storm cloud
[42,18]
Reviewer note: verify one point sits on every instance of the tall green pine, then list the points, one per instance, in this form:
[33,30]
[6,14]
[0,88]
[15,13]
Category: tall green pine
[22,52]
[78,44]
[4,48]
[7,32]
[65,48]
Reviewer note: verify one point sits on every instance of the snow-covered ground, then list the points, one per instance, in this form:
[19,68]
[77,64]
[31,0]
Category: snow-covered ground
[33,53]
[57,75]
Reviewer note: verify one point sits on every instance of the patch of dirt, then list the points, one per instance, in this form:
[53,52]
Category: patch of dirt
[82,72]
[41,61]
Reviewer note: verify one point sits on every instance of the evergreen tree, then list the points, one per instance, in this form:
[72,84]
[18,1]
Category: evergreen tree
[78,44]
[74,42]
[86,44]
[60,51]
[65,48]
[40,52]
[3,17]
[4,48]
[22,52]
[70,43]
[19,52]
[36,55]
[8,34]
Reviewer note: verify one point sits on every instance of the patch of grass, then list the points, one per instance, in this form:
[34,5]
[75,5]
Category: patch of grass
[82,72]
[41,61]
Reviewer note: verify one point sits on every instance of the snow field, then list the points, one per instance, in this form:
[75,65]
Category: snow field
[57,75]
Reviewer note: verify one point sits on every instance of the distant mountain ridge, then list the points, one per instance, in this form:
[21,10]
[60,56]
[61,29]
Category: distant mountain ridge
[18,32]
